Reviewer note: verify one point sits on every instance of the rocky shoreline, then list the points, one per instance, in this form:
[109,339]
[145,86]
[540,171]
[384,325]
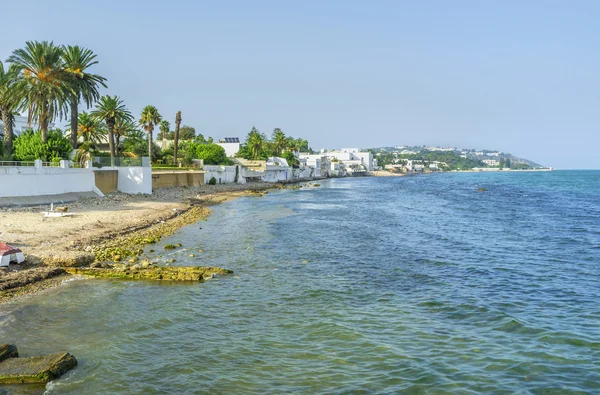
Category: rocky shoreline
[50,262]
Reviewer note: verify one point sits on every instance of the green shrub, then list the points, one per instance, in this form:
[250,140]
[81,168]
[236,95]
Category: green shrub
[212,181]
[28,146]
[211,154]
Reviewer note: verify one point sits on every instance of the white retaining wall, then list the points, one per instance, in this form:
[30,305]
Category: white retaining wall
[134,179]
[277,173]
[41,180]
[307,172]
[223,174]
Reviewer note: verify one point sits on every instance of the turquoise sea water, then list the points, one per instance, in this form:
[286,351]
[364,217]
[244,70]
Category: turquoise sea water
[374,285]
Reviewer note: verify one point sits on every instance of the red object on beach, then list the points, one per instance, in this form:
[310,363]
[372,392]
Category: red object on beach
[9,253]
[5,249]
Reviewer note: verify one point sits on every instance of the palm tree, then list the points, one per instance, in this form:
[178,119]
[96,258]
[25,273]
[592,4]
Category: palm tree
[176,137]
[165,128]
[255,142]
[83,85]
[8,104]
[110,110]
[45,88]
[280,142]
[149,118]
[123,128]
[90,128]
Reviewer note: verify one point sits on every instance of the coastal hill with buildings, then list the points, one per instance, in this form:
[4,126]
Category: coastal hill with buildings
[433,158]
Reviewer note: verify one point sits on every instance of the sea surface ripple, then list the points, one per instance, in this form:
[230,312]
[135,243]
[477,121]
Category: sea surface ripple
[376,285]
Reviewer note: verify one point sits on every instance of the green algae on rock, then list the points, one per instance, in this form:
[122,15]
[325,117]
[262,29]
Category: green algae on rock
[131,245]
[38,369]
[138,272]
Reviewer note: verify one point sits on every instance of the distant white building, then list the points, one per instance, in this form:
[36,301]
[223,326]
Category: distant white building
[491,162]
[349,156]
[440,149]
[231,145]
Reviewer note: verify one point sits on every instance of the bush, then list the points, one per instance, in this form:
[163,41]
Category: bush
[212,154]
[212,181]
[28,146]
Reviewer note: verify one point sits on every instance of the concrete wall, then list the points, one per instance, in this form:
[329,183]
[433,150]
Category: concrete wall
[277,173]
[106,180]
[223,174]
[167,179]
[40,180]
[135,179]
[300,174]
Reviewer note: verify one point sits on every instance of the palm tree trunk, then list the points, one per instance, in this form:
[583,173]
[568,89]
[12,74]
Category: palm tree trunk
[150,130]
[43,120]
[44,129]
[8,130]
[74,121]
[111,141]
[176,142]
[117,143]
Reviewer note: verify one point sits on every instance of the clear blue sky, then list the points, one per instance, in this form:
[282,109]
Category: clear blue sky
[518,76]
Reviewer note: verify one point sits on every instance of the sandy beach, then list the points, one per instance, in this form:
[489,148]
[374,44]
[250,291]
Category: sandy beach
[49,243]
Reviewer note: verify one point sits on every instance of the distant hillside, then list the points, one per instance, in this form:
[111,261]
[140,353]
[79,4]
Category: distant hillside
[451,158]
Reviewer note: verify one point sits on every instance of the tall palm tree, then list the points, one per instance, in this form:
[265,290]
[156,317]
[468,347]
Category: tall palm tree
[255,142]
[8,103]
[90,128]
[83,85]
[110,110]
[44,88]
[176,137]
[165,128]
[280,142]
[123,128]
[148,119]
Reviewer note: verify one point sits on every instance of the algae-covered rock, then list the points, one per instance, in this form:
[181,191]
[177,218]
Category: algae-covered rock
[170,246]
[8,351]
[182,273]
[40,369]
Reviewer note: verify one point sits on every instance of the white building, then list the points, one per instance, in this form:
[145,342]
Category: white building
[349,156]
[21,125]
[440,149]
[491,162]
[231,145]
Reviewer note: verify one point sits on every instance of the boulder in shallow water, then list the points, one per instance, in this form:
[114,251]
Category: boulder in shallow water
[8,351]
[39,369]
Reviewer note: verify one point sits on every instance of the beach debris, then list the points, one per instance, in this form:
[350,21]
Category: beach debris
[38,369]
[10,254]
[139,272]
[59,211]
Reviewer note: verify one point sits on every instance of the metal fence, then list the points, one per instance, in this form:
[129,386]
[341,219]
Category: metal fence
[16,164]
[105,161]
